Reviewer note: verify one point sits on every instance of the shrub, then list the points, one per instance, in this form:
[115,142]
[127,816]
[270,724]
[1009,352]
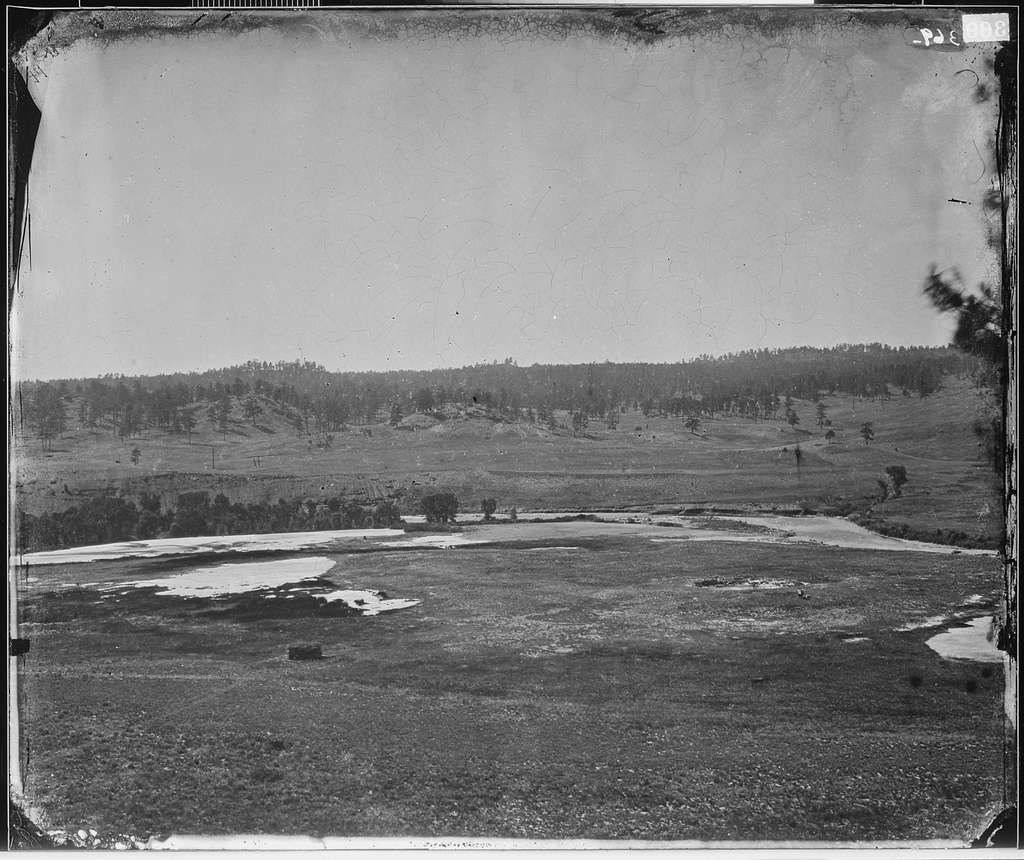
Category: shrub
[190,514]
[439,507]
[354,516]
[897,477]
[386,516]
[148,525]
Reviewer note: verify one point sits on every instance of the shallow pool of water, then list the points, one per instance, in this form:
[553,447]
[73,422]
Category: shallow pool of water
[976,640]
[237,578]
[780,530]
[194,545]
[368,602]
[444,541]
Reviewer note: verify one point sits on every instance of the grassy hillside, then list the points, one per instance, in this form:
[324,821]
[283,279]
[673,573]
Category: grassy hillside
[643,462]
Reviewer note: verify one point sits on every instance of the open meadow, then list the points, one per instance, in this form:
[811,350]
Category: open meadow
[572,680]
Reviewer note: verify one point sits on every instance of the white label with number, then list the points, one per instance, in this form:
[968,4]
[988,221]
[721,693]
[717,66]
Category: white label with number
[991,27]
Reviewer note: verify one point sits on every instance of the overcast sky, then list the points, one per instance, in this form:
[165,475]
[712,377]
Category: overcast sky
[426,200]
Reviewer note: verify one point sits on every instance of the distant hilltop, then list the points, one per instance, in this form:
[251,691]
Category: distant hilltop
[750,382]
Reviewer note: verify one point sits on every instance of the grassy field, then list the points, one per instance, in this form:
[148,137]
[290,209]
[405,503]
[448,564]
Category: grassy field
[644,462]
[584,686]
[536,691]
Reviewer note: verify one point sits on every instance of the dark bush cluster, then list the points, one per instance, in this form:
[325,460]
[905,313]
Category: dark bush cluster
[107,519]
[440,507]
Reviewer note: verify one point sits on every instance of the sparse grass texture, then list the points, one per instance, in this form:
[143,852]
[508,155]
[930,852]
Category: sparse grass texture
[593,692]
[952,494]
[600,690]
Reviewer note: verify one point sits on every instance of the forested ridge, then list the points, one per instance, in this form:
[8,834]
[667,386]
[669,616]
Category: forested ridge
[752,384]
[305,400]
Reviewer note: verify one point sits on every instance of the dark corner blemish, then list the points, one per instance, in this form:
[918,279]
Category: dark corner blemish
[1001,833]
[23,832]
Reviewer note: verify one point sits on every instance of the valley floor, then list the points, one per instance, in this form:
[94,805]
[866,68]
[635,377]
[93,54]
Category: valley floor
[680,665]
[604,684]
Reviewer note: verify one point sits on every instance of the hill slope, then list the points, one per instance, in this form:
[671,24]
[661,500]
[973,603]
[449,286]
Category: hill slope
[641,461]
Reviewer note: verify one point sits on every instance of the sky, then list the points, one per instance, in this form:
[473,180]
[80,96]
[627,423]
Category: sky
[424,198]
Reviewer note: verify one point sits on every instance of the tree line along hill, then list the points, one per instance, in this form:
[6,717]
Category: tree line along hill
[753,384]
[273,417]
